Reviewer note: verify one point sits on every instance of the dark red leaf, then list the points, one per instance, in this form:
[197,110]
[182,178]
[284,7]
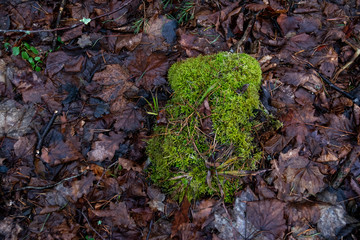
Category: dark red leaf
[150,70]
[268,217]
[130,119]
[105,147]
[181,217]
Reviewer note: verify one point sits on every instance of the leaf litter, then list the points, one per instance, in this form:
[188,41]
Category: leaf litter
[90,181]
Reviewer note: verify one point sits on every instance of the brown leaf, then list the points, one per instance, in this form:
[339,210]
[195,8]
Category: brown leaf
[295,123]
[60,152]
[287,23]
[82,187]
[154,33]
[161,118]
[15,119]
[72,33]
[84,41]
[56,61]
[195,45]
[105,147]
[205,113]
[157,198]
[130,119]
[202,212]
[181,217]
[117,215]
[142,216]
[276,144]
[129,41]
[303,213]
[132,184]
[296,175]
[129,165]
[111,85]
[72,192]
[268,217]
[24,147]
[255,7]
[149,70]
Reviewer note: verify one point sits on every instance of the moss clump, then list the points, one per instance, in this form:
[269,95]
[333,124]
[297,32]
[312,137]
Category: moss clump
[208,138]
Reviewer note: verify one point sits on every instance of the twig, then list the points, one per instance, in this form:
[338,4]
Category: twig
[43,135]
[245,35]
[43,225]
[104,172]
[68,27]
[87,220]
[346,94]
[57,23]
[351,61]
[345,168]
[223,204]
[148,235]
[51,185]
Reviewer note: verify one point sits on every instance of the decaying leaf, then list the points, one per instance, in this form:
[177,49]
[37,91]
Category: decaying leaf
[268,217]
[149,70]
[117,215]
[129,119]
[15,119]
[297,175]
[105,147]
[60,152]
[181,217]
[156,198]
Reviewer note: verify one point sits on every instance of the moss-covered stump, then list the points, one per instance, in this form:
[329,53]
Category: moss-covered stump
[208,139]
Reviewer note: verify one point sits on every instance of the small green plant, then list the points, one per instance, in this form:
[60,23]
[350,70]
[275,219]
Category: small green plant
[201,154]
[89,238]
[166,3]
[139,25]
[154,106]
[185,12]
[30,54]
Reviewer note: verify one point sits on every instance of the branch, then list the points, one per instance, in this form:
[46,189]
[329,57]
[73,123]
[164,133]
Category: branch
[51,185]
[68,27]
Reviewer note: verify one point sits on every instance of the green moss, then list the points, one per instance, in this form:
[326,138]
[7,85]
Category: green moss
[184,158]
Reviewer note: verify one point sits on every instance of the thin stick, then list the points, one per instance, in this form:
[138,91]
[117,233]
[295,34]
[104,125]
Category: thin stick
[148,235]
[51,185]
[43,225]
[57,23]
[66,28]
[351,61]
[346,94]
[87,220]
[43,135]
[346,167]
[245,35]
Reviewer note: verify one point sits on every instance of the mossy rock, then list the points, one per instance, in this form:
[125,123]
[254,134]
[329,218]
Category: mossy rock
[208,139]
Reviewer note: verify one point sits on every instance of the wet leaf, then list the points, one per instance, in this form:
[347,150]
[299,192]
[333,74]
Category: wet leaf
[157,198]
[105,147]
[84,41]
[130,119]
[297,175]
[129,165]
[268,217]
[117,215]
[181,217]
[112,83]
[60,152]
[15,119]
[149,70]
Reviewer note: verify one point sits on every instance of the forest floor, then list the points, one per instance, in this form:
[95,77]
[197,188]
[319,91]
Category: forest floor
[74,120]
